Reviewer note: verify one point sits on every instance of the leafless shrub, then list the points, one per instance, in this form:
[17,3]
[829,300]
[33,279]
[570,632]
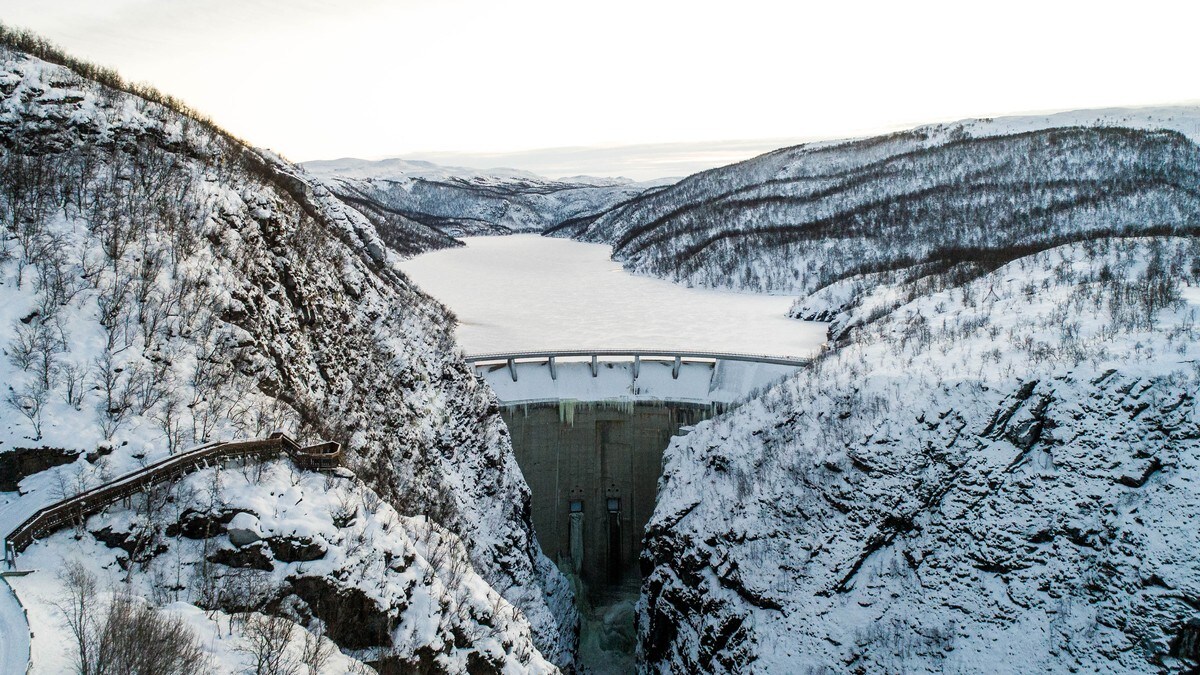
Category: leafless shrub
[136,639]
[125,635]
[316,653]
[29,401]
[265,639]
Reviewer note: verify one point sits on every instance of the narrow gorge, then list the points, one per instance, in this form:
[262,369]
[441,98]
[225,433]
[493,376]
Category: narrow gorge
[916,402]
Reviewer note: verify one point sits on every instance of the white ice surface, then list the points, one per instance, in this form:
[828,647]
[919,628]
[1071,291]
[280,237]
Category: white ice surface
[14,633]
[14,627]
[526,292]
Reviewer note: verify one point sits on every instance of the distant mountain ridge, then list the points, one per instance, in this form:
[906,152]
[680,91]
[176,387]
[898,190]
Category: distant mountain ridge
[396,168]
[800,218]
[441,201]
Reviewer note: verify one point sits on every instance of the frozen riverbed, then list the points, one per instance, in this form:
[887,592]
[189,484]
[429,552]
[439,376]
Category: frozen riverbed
[527,292]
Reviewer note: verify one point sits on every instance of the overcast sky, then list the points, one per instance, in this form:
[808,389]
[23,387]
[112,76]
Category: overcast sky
[370,79]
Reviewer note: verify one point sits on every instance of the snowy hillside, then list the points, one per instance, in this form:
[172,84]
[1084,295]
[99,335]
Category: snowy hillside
[162,286]
[999,475]
[461,202]
[970,195]
[324,550]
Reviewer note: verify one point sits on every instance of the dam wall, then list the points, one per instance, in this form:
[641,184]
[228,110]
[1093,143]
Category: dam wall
[589,436]
[650,380]
[593,471]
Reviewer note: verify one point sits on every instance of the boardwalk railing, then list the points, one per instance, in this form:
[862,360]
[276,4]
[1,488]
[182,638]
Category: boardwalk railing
[320,457]
[550,357]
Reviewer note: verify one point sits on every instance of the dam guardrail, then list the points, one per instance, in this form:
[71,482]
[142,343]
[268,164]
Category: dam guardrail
[49,519]
[551,356]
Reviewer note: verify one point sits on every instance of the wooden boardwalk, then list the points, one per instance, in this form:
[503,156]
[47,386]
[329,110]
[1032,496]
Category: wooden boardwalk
[72,510]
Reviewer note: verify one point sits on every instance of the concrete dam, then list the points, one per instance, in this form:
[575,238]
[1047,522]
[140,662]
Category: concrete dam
[593,471]
[589,429]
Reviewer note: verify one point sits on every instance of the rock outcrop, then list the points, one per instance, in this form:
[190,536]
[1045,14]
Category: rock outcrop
[998,476]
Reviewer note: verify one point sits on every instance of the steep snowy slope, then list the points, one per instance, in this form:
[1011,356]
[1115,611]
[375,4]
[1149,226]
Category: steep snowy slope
[461,202]
[163,285]
[974,194]
[999,476]
[323,550]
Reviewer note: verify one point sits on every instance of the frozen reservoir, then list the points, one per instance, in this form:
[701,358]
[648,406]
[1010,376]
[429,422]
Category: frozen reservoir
[527,293]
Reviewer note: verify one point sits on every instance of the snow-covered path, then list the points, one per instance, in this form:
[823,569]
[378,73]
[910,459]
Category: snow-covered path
[14,633]
[14,627]
[15,509]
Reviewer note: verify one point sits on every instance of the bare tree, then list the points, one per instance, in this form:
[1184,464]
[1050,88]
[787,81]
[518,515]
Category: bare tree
[29,401]
[125,636]
[317,651]
[265,639]
[78,606]
[136,639]
[113,382]
[74,376]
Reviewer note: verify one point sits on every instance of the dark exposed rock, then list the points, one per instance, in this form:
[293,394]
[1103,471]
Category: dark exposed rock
[1138,481]
[112,539]
[1186,644]
[20,463]
[295,549]
[137,545]
[482,664]
[352,619]
[101,451]
[197,525]
[422,662]
[249,557]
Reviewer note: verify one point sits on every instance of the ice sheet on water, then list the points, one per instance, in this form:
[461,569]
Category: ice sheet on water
[526,292]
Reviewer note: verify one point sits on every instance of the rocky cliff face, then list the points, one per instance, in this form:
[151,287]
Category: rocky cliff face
[165,285]
[999,475]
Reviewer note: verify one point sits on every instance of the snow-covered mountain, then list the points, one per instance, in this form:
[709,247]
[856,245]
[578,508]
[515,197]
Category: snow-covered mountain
[457,201]
[399,169]
[1000,475]
[162,285]
[971,194]
[994,466]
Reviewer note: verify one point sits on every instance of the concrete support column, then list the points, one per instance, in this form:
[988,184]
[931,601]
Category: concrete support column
[575,541]
[512,369]
[595,367]
[553,368]
[675,368]
[637,366]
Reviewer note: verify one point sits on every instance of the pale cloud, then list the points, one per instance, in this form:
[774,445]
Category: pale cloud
[374,78]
